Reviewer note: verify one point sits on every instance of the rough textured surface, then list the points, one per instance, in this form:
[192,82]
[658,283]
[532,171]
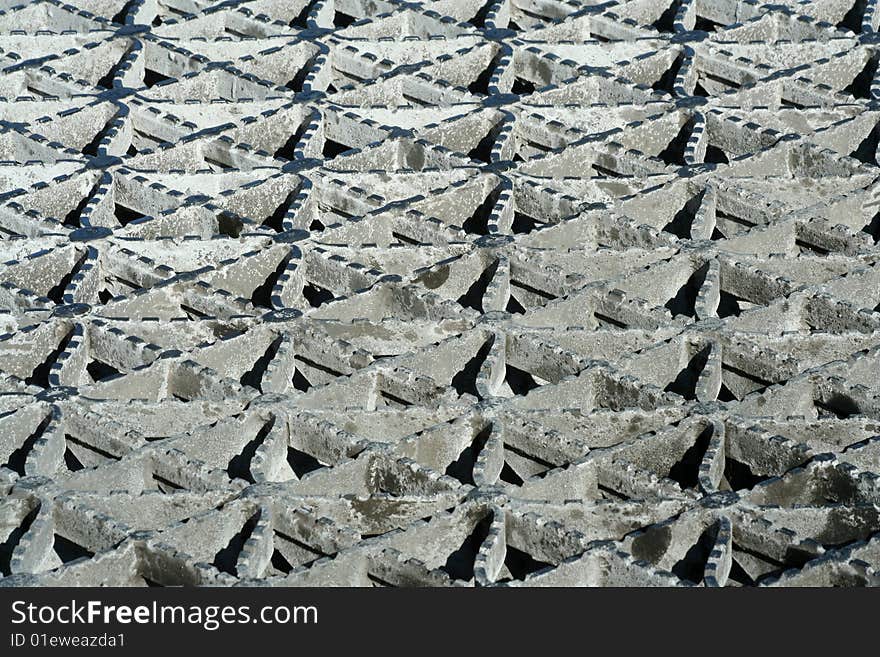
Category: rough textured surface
[359,292]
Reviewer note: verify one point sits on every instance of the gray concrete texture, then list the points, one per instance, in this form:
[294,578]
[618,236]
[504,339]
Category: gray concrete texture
[443,293]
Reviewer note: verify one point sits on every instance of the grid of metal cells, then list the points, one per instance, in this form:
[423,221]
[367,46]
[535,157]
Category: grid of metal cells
[442,293]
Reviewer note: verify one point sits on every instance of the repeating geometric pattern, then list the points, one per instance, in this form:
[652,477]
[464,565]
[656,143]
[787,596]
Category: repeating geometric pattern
[454,292]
